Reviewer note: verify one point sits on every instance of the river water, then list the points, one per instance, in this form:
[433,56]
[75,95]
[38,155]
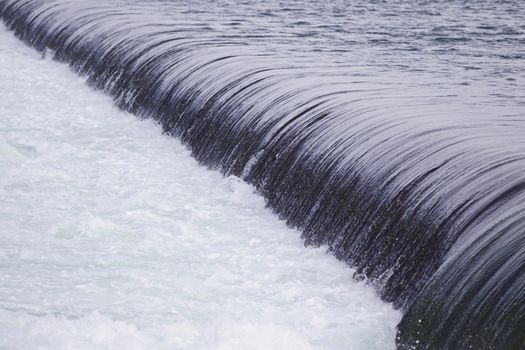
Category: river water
[113,237]
[391,133]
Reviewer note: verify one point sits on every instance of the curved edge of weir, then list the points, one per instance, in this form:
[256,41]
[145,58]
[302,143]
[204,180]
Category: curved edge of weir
[430,209]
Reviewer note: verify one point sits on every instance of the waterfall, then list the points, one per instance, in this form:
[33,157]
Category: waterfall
[421,192]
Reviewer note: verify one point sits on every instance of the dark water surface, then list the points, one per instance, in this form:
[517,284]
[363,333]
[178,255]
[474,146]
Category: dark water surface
[391,131]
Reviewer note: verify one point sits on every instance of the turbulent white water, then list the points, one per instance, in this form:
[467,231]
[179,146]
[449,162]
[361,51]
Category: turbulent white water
[113,237]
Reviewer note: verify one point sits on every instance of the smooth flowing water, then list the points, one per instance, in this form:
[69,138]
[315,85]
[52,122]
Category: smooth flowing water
[390,132]
[112,237]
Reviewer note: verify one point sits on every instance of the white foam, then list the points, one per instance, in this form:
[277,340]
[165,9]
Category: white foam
[112,237]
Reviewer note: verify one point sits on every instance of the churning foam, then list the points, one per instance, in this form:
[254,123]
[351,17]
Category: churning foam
[113,237]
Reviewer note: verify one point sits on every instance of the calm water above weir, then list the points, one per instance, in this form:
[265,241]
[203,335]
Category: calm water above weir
[390,132]
[451,49]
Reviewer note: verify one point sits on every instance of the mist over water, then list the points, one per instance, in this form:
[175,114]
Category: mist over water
[112,237]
